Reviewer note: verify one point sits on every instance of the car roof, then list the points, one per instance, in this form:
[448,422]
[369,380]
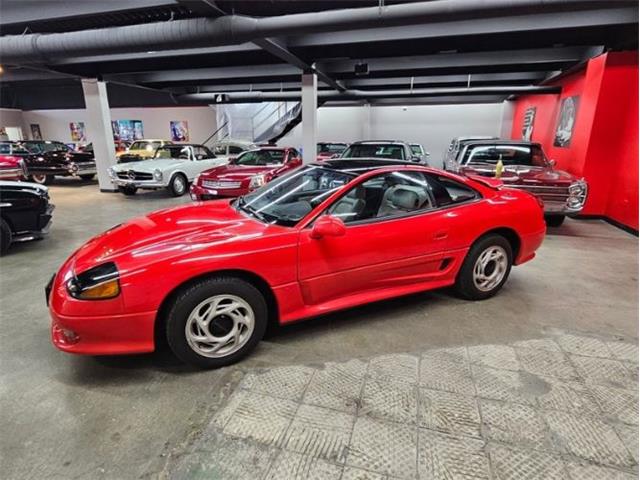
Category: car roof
[399,142]
[501,142]
[184,145]
[363,164]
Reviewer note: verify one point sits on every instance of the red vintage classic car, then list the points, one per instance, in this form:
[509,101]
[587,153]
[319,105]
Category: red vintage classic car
[12,166]
[250,170]
[210,276]
[526,167]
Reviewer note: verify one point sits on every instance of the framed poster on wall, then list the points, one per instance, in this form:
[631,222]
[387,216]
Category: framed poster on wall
[77,132]
[179,130]
[128,130]
[527,124]
[566,121]
[36,134]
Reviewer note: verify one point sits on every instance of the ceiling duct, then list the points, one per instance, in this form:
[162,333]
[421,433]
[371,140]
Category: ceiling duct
[232,29]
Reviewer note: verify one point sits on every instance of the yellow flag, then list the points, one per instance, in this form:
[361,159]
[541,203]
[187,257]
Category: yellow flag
[499,168]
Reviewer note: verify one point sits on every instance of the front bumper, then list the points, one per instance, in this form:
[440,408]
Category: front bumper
[149,184]
[12,173]
[199,193]
[73,169]
[44,225]
[103,335]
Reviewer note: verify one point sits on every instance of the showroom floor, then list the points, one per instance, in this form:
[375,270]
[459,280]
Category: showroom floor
[540,380]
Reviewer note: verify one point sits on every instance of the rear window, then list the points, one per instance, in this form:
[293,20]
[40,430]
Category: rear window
[374,150]
[261,157]
[526,155]
[331,147]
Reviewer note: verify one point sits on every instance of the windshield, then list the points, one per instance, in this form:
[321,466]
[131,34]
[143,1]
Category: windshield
[525,155]
[261,157]
[331,147]
[144,146]
[173,151]
[374,150]
[288,199]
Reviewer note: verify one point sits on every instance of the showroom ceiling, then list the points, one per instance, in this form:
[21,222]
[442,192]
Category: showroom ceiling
[159,52]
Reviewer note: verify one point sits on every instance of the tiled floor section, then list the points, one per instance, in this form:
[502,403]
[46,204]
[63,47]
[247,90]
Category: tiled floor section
[561,407]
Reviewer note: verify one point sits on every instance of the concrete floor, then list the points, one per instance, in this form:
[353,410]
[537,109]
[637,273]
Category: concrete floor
[135,417]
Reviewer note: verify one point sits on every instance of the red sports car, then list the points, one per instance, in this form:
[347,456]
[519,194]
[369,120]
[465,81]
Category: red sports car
[210,276]
[248,171]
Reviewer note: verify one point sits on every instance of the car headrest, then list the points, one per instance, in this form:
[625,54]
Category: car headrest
[407,198]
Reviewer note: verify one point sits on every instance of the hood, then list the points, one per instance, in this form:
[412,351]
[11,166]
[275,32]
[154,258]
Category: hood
[524,175]
[149,165]
[237,172]
[170,232]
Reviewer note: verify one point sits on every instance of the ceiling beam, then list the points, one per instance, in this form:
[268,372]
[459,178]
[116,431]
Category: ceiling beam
[279,50]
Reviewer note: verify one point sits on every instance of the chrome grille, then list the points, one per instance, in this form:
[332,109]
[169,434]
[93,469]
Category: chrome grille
[546,193]
[131,175]
[220,184]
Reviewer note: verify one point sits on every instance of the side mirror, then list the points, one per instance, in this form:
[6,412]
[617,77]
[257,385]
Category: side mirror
[427,154]
[328,226]
[295,161]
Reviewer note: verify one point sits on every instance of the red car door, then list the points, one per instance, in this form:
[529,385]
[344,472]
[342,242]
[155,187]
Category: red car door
[380,252]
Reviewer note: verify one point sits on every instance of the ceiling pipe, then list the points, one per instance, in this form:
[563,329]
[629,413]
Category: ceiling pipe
[233,29]
[350,94]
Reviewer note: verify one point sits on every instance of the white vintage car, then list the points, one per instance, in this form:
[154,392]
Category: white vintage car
[173,167]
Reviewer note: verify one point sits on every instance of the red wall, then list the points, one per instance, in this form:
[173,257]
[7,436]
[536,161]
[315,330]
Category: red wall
[604,144]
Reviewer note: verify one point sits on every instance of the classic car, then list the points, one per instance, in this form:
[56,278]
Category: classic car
[210,276]
[25,212]
[120,146]
[229,148]
[526,167]
[140,150]
[12,166]
[327,150]
[48,159]
[386,149]
[172,167]
[419,151]
[250,170]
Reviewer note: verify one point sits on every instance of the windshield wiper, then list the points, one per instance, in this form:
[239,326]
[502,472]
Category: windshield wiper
[251,211]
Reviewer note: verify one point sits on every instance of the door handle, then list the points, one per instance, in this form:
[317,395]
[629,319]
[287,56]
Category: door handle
[441,235]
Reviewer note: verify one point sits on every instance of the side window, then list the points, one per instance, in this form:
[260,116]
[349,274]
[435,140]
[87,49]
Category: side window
[388,195]
[233,150]
[449,192]
[220,149]
[200,153]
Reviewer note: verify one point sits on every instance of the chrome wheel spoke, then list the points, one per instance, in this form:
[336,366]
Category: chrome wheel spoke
[490,268]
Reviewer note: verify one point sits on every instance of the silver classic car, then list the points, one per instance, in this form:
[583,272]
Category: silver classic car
[172,167]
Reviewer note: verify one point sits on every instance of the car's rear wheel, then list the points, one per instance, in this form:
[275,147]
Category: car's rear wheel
[128,191]
[5,236]
[88,176]
[41,178]
[485,269]
[216,322]
[178,185]
[554,220]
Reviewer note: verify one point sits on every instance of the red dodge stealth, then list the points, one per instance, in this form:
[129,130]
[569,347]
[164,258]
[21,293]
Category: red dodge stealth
[211,276]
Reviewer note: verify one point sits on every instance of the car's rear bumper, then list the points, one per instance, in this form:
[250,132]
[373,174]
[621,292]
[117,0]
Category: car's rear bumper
[528,246]
[103,335]
[199,193]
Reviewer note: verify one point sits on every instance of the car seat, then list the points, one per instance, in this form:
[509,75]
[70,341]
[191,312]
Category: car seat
[402,199]
[350,206]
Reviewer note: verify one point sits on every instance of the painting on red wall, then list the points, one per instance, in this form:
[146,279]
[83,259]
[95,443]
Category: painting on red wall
[527,124]
[566,121]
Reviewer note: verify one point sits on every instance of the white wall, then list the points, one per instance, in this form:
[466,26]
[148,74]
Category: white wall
[431,125]
[54,124]
[10,117]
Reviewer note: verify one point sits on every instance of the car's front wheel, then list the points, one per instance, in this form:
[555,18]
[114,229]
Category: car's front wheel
[485,269]
[178,185]
[128,191]
[5,236]
[554,220]
[42,179]
[216,322]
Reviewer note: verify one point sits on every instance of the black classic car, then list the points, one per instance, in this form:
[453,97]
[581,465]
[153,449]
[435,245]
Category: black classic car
[50,158]
[25,212]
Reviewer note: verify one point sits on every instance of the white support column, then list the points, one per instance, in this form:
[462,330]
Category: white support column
[366,122]
[309,117]
[99,130]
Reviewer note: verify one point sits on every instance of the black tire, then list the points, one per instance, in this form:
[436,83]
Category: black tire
[554,220]
[128,191]
[189,299]
[465,285]
[5,236]
[88,176]
[41,179]
[179,185]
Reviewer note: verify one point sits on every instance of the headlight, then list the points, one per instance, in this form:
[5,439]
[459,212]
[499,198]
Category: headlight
[577,195]
[73,167]
[257,181]
[157,174]
[98,283]
[577,188]
[112,173]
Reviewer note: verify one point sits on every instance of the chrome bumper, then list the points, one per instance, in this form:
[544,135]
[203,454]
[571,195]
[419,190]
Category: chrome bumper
[122,182]
[11,173]
[83,168]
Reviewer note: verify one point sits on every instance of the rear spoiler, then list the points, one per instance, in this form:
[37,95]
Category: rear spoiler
[490,182]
